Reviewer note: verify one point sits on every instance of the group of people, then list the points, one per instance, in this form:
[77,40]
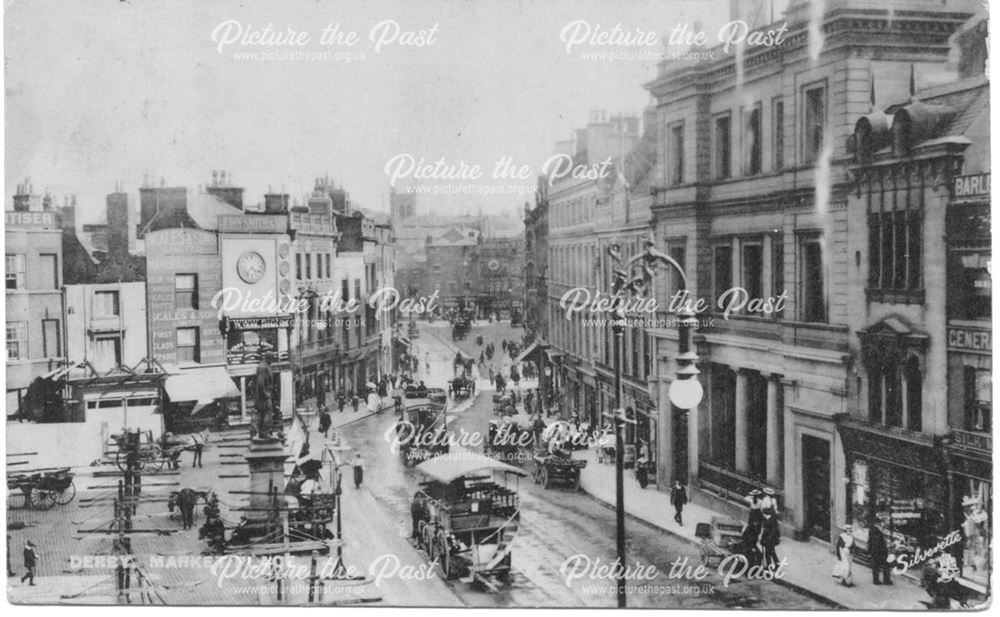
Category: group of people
[761,534]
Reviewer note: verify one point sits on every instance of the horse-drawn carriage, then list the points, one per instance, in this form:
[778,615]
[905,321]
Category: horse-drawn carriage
[43,488]
[460,328]
[465,519]
[461,387]
[423,433]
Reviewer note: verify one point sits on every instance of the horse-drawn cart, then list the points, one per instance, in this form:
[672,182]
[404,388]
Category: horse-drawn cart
[720,538]
[44,488]
[552,469]
[461,388]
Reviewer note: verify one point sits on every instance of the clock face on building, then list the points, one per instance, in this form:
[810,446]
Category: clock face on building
[250,267]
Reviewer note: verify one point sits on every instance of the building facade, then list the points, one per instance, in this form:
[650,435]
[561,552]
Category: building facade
[754,199]
[536,263]
[35,327]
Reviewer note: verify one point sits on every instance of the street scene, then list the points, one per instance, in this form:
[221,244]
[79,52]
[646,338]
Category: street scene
[546,305]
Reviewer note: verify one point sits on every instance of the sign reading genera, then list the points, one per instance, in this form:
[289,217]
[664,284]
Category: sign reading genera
[970,339]
[253,223]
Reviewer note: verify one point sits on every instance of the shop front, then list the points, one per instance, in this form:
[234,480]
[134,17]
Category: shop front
[897,482]
[970,487]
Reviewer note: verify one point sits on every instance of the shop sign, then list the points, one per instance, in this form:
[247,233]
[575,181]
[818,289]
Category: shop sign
[970,339]
[972,441]
[972,185]
[257,323]
[253,223]
[29,219]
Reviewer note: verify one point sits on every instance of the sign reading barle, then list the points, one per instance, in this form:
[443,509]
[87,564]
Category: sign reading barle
[973,185]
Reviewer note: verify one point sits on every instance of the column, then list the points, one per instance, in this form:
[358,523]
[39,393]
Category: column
[742,460]
[774,416]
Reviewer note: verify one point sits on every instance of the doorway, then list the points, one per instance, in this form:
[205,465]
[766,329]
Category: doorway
[816,486]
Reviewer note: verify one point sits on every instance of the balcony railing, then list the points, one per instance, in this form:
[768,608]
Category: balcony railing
[728,483]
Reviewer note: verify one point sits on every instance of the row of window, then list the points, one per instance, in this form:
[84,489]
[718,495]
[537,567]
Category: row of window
[574,211]
[47,276]
[308,259]
[751,138]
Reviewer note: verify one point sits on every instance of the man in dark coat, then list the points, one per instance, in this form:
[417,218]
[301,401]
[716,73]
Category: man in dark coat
[30,562]
[878,550]
[770,536]
[324,421]
[678,498]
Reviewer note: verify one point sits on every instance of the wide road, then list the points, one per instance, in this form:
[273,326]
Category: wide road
[556,524]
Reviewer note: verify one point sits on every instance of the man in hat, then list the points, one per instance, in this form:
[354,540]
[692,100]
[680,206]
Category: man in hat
[678,499]
[30,562]
[878,549]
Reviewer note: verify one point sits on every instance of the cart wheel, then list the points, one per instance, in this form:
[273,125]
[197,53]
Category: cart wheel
[545,478]
[67,494]
[422,537]
[445,558]
[42,499]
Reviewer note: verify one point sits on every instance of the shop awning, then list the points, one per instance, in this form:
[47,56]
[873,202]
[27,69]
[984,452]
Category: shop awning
[533,350]
[203,385]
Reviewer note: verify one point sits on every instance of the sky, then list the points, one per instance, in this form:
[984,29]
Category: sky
[108,91]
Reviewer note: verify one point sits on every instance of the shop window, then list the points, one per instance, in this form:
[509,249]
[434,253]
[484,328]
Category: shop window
[751,141]
[977,502]
[15,271]
[329,272]
[309,261]
[812,281]
[723,147]
[106,304]
[676,146]
[970,284]
[779,134]
[17,340]
[188,348]
[814,121]
[723,269]
[186,291]
[978,400]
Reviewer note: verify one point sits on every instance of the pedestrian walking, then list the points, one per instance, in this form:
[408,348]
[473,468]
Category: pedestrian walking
[427,360]
[30,562]
[845,546]
[878,550]
[678,498]
[492,376]
[515,376]
[359,470]
[324,421]
[340,402]
[770,536]
[354,402]
[197,446]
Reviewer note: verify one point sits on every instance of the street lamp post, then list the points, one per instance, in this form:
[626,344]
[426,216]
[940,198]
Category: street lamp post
[685,391]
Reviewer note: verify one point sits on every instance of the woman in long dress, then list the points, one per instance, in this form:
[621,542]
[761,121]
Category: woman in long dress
[845,543]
